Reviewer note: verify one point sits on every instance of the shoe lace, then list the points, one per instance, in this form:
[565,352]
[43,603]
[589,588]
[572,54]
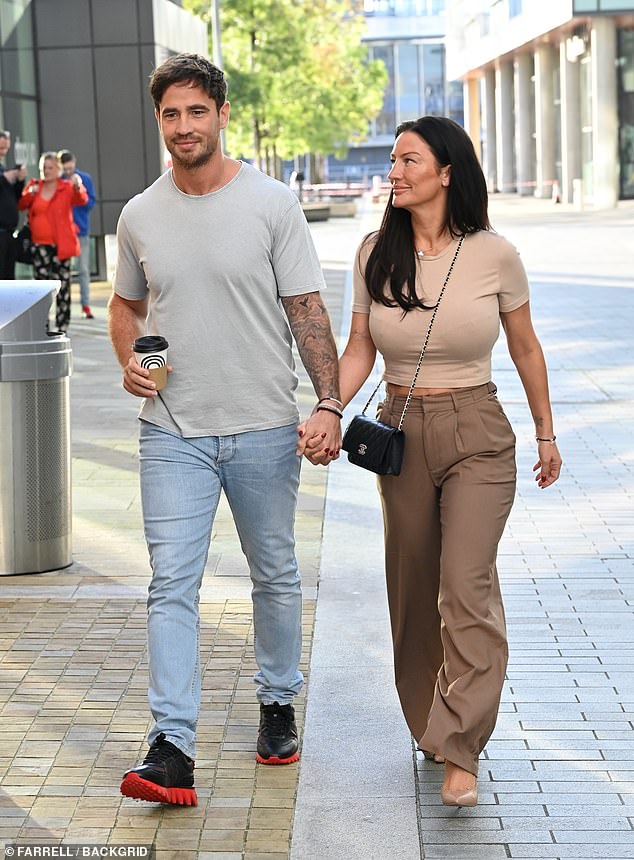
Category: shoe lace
[276,720]
[160,751]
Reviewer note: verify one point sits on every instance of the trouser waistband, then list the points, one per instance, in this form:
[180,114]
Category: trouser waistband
[456,400]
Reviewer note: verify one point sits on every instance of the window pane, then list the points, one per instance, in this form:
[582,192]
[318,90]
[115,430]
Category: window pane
[386,120]
[19,116]
[16,36]
[434,80]
[407,83]
[626,111]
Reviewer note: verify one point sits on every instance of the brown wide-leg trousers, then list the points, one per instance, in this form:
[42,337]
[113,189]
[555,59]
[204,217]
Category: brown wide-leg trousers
[444,516]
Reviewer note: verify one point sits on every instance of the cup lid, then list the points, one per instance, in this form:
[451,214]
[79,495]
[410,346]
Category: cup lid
[150,343]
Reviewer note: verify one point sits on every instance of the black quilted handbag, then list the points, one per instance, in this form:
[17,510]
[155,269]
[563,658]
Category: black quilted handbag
[377,446]
[374,445]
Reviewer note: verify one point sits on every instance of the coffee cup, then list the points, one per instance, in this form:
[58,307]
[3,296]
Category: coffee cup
[151,352]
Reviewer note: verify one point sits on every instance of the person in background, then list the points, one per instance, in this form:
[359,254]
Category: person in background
[11,186]
[81,217]
[49,201]
[445,513]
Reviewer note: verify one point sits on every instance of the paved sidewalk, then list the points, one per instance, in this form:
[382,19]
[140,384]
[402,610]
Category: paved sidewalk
[556,778]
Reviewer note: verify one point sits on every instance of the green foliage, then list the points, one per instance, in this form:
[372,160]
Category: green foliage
[299,77]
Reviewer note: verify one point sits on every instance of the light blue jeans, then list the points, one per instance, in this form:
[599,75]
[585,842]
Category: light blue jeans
[181,480]
[83,270]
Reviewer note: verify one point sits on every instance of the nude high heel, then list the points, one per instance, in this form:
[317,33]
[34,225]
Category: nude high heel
[460,796]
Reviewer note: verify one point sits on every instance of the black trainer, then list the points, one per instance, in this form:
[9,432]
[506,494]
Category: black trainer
[277,736]
[166,776]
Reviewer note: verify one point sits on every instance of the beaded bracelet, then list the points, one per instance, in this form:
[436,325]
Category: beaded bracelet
[545,438]
[333,399]
[332,409]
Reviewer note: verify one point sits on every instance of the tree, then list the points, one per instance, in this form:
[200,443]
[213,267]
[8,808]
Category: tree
[299,76]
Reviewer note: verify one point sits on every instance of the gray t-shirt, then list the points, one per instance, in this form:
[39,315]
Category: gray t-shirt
[215,267]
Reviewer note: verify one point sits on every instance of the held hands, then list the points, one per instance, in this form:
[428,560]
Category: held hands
[136,379]
[320,437]
[549,464]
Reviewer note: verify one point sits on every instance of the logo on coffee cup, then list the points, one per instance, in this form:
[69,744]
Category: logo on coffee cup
[150,362]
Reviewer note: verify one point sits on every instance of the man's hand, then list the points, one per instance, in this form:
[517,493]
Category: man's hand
[136,379]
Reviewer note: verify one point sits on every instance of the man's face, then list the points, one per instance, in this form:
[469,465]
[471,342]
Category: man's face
[190,124]
[68,168]
[5,143]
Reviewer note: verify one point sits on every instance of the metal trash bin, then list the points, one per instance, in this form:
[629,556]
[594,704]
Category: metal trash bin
[35,473]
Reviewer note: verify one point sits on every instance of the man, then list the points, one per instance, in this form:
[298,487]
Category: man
[81,217]
[217,258]
[11,185]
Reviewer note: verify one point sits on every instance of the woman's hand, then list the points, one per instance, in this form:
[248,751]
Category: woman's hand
[549,464]
[320,437]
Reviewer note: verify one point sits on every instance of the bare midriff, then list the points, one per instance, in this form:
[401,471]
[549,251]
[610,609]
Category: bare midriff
[403,390]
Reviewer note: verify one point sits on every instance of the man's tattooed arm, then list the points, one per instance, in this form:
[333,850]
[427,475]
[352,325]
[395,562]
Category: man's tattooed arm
[310,325]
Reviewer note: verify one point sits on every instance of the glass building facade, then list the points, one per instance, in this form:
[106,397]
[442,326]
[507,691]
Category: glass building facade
[18,85]
[64,65]
[407,36]
[550,94]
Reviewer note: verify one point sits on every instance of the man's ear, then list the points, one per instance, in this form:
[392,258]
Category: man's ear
[224,113]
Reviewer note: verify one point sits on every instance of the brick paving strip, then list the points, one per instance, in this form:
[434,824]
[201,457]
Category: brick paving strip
[74,717]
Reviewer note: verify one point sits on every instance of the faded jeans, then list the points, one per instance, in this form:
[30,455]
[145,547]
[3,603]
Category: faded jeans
[181,480]
[83,270]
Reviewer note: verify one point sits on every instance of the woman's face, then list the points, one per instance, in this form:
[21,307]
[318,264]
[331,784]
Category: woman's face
[417,178]
[50,169]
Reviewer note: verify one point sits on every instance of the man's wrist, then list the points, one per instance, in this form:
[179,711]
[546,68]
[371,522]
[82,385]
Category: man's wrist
[324,407]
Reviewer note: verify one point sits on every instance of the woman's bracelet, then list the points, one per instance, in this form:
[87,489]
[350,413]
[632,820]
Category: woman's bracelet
[333,409]
[545,438]
[332,399]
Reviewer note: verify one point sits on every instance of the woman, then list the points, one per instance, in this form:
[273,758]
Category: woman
[445,513]
[49,201]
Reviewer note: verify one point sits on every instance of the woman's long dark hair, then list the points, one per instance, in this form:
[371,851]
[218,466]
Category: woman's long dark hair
[393,258]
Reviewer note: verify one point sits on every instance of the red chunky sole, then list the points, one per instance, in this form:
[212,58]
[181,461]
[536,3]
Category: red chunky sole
[276,760]
[141,789]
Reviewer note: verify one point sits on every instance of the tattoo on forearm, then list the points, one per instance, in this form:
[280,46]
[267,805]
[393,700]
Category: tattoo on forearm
[310,325]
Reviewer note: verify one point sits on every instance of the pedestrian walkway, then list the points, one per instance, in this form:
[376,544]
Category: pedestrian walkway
[556,778]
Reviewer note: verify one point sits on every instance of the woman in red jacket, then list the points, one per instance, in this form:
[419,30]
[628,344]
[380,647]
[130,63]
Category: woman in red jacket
[50,200]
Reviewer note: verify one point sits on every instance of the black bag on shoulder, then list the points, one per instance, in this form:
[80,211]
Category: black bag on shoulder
[374,445]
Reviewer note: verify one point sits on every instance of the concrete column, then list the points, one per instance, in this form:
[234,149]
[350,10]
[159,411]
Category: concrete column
[490,137]
[570,123]
[544,121]
[523,67]
[504,125]
[605,149]
[473,125]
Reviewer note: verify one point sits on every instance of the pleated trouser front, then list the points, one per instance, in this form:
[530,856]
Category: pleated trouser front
[444,516]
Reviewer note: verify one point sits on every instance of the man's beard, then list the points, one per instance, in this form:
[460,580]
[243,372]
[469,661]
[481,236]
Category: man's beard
[189,161]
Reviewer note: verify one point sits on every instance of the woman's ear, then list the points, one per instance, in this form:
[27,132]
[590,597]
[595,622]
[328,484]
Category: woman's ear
[445,176]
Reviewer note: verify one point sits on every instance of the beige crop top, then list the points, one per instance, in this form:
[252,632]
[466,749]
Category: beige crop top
[488,278]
